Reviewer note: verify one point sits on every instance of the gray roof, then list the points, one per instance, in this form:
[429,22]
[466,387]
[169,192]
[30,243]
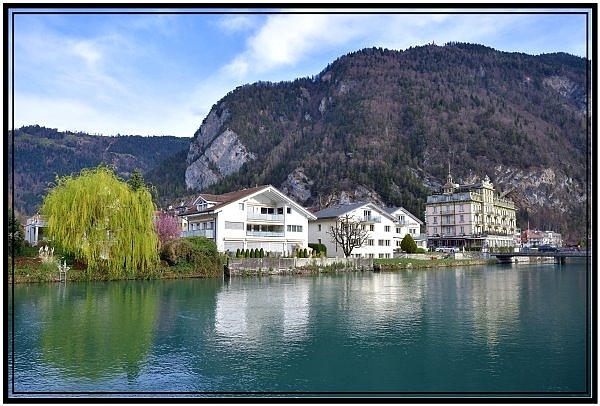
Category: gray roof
[390,210]
[338,210]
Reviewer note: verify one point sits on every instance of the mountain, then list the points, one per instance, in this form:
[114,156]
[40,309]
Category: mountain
[41,154]
[388,125]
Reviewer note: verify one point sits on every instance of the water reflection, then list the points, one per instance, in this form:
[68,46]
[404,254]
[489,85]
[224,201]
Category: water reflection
[495,306]
[94,331]
[249,313]
[475,329]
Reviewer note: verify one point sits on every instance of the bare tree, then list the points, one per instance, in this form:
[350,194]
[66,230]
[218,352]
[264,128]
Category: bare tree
[349,233]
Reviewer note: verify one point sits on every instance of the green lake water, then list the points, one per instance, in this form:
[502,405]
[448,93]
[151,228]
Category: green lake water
[506,330]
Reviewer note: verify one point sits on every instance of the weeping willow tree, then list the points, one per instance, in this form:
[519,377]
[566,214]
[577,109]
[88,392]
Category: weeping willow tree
[104,222]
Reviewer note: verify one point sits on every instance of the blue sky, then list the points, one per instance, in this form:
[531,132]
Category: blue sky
[160,73]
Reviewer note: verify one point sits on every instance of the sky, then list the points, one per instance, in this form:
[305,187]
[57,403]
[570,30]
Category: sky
[154,72]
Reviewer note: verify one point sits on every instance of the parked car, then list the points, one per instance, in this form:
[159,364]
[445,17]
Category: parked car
[446,249]
[547,248]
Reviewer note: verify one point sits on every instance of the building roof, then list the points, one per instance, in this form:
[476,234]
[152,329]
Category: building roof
[392,210]
[338,210]
[343,209]
[235,196]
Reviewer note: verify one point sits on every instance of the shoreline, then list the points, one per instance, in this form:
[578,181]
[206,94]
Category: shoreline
[37,272]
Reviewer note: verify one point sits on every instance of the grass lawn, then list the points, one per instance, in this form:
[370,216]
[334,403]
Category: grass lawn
[395,264]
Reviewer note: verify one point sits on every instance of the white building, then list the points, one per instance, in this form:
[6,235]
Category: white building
[34,229]
[407,223]
[255,218]
[470,216]
[380,225]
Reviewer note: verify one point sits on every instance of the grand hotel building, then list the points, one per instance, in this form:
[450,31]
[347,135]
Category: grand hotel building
[470,216]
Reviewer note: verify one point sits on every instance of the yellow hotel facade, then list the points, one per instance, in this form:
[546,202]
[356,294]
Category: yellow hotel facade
[470,216]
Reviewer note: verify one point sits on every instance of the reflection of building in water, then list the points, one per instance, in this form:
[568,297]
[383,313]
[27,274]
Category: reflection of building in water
[255,313]
[495,301]
[379,300]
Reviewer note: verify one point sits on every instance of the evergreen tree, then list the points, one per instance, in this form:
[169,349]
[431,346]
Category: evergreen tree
[15,235]
[408,244]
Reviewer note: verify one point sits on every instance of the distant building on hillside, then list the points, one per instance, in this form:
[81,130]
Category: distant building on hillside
[534,238]
[470,216]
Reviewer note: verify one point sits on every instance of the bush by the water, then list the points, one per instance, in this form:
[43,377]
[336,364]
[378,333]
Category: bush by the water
[318,249]
[199,252]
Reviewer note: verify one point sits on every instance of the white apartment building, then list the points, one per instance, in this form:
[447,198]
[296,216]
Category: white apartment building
[254,218]
[380,225]
[407,223]
[470,216]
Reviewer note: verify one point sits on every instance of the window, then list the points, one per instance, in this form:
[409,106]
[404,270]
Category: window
[294,228]
[241,206]
[398,230]
[267,210]
[280,210]
[434,220]
[370,243]
[367,213]
[412,231]
[462,218]
[371,227]
[319,227]
[289,210]
[387,229]
[380,243]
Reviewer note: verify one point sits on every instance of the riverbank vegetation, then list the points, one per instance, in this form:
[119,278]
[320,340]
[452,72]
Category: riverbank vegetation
[197,258]
[100,227]
[397,264]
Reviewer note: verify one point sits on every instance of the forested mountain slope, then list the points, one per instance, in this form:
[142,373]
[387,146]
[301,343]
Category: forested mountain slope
[41,154]
[387,125]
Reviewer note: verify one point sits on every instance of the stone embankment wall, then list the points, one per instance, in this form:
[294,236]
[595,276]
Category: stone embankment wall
[287,266]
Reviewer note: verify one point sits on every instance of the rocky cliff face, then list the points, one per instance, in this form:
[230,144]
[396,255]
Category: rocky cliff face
[215,152]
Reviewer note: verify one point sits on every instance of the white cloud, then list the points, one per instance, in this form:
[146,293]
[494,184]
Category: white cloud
[87,51]
[237,23]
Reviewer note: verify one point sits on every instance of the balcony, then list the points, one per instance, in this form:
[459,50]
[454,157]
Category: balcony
[198,233]
[265,234]
[371,219]
[273,218]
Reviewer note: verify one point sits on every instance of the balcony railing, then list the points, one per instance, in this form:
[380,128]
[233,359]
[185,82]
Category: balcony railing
[263,234]
[198,233]
[371,219]
[279,218]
